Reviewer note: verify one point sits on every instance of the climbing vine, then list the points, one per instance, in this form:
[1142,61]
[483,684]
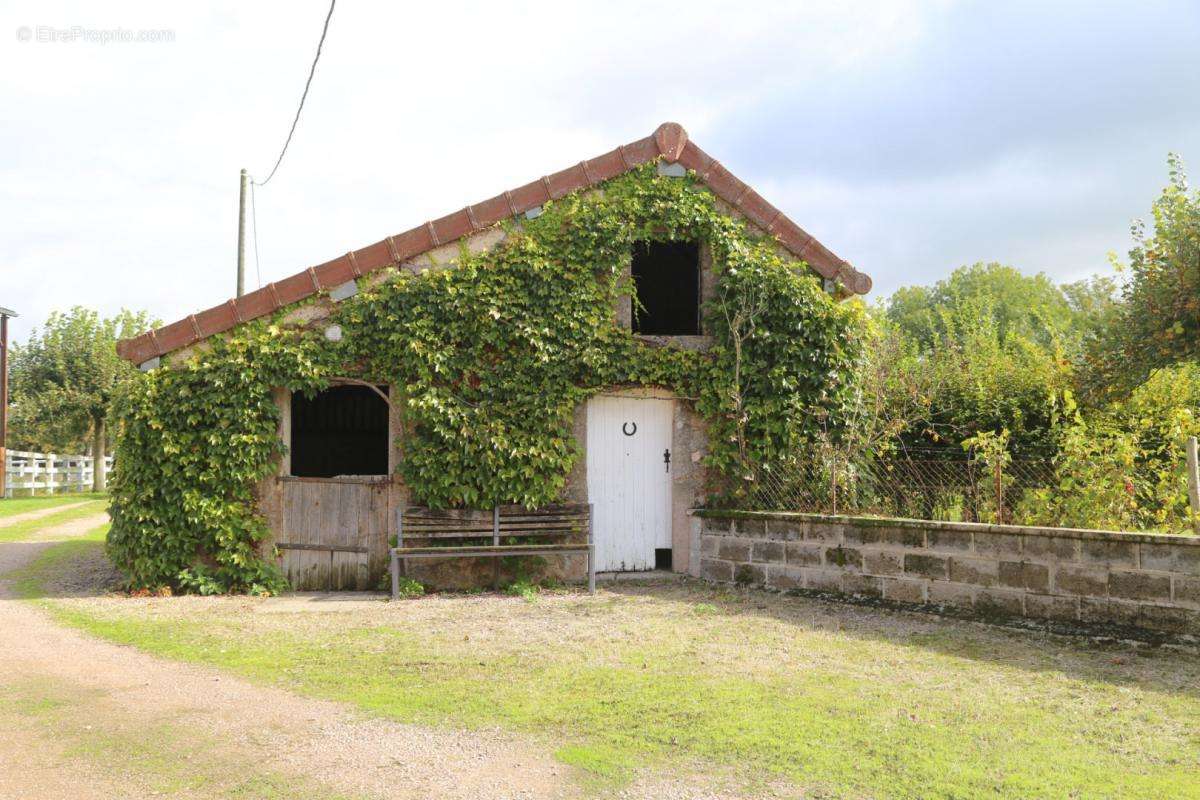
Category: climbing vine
[491,358]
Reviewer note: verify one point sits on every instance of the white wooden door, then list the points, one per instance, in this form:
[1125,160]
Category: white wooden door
[629,482]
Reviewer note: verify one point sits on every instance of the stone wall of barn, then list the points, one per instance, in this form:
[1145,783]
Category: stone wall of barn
[1149,581]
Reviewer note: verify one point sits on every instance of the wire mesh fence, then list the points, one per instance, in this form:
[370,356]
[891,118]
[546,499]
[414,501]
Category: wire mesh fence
[961,490]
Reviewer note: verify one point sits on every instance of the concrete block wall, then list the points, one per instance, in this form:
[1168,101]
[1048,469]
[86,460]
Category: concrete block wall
[1149,581]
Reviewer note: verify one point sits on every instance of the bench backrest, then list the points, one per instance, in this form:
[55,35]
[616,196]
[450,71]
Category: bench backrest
[418,522]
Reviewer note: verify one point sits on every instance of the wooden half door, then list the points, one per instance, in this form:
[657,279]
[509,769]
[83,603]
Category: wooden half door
[330,526]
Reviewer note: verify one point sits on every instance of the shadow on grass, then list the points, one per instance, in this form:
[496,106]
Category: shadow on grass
[1076,656]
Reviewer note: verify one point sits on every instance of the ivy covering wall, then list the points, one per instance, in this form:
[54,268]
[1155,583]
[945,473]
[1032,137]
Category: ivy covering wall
[490,357]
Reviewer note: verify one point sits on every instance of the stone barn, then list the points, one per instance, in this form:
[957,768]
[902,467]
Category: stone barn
[331,504]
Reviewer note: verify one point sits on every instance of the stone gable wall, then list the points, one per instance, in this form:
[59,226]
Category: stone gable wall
[1149,581]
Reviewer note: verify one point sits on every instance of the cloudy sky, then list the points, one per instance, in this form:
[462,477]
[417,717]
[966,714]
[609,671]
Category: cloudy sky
[910,138]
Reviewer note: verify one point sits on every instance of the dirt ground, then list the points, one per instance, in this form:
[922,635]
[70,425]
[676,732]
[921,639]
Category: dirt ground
[122,692]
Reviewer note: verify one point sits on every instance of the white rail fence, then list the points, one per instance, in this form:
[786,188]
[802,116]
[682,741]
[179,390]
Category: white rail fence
[48,473]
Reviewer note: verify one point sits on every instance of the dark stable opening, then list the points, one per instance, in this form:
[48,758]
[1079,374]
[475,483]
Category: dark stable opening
[340,431]
[667,280]
[662,558]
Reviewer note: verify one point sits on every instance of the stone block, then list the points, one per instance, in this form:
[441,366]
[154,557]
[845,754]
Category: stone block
[904,537]
[1025,575]
[785,530]
[1187,559]
[824,532]
[804,554]
[862,585]
[784,577]
[1050,548]
[710,546]
[716,525]
[1169,618]
[999,602]
[1110,554]
[714,570]
[732,549]
[859,535]
[883,562]
[751,527]
[1048,606]
[1169,557]
[749,574]
[926,566]
[1080,579]
[1109,612]
[1158,557]
[1003,545]
[948,593]
[904,590]
[844,558]
[767,551]
[1186,590]
[977,571]
[1138,585]
[823,580]
[949,540]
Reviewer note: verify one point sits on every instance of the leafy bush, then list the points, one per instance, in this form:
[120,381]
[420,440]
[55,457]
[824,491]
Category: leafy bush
[1126,467]
[194,441]
[523,588]
[408,587]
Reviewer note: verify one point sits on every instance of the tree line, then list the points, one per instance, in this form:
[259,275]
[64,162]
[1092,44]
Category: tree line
[1100,377]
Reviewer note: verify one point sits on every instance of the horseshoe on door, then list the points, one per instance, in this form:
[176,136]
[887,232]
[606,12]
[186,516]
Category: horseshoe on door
[625,428]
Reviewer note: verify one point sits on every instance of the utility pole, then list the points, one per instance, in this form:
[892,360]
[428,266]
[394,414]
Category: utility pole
[4,315]
[1193,474]
[241,272]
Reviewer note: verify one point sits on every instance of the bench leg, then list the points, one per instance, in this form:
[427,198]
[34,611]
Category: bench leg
[591,556]
[394,568]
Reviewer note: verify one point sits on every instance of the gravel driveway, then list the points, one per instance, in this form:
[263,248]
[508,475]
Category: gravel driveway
[89,719]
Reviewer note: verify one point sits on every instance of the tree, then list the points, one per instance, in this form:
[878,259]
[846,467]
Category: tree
[1030,306]
[65,377]
[1158,321]
[988,349]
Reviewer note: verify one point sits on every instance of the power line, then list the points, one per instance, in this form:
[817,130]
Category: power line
[254,228]
[304,96]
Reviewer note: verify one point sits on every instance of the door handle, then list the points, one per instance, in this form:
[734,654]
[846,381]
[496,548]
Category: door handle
[667,459]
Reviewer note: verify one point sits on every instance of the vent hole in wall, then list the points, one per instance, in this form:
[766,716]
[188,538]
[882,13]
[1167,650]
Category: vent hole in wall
[662,558]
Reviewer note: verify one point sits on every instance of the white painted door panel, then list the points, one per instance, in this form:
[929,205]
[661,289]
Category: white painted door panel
[629,484]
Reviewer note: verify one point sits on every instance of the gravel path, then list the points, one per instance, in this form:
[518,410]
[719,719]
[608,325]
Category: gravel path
[119,689]
[37,513]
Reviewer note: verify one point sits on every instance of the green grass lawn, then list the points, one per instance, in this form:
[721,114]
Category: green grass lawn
[20,505]
[751,688]
[21,530]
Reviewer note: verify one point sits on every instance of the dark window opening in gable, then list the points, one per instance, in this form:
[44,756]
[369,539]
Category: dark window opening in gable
[340,431]
[666,277]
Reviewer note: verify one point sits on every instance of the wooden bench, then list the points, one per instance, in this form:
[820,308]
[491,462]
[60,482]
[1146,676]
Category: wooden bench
[551,525]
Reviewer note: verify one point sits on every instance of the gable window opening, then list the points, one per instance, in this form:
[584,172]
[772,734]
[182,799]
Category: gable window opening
[666,279]
[339,432]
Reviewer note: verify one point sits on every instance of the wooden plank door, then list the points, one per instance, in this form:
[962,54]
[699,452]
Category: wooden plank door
[628,481]
[329,528]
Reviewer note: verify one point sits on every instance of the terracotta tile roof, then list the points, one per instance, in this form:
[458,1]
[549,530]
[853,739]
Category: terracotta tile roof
[670,141]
